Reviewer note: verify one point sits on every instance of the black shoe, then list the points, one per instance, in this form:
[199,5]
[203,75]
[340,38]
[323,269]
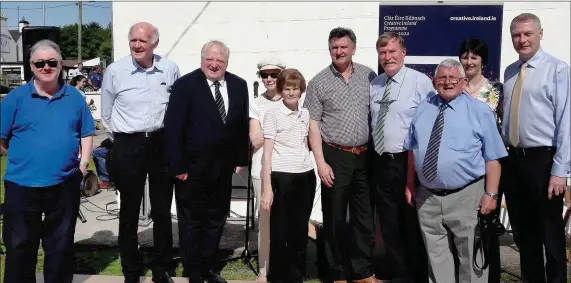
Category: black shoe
[162,279]
[212,277]
[132,280]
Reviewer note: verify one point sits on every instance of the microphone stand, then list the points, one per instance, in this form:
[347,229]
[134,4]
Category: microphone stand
[246,255]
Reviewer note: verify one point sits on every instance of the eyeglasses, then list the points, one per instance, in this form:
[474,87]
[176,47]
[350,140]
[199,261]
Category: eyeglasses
[42,63]
[266,75]
[452,80]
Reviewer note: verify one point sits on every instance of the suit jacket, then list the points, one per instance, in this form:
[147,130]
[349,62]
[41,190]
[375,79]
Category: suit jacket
[197,141]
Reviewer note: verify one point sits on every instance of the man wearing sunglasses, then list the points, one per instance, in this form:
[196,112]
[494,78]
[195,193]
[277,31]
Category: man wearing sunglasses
[456,143]
[134,97]
[44,125]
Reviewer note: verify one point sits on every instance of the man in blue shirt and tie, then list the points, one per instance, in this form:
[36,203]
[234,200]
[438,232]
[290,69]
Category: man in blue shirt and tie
[455,142]
[395,96]
[536,128]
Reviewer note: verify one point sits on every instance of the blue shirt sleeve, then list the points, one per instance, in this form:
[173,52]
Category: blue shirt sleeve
[493,147]
[561,162]
[87,124]
[410,140]
[8,109]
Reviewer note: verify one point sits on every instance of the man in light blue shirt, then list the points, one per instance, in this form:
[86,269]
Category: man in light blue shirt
[536,127]
[455,142]
[134,98]
[394,97]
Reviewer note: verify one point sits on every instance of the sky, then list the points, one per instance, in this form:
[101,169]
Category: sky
[57,13]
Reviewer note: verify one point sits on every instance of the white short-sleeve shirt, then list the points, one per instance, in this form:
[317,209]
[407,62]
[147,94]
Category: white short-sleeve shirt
[258,108]
[289,129]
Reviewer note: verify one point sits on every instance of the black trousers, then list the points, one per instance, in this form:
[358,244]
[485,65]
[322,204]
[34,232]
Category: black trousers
[133,157]
[293,201]
[24,227]
[348,253]
[203,204]
[536,221]
[406,254]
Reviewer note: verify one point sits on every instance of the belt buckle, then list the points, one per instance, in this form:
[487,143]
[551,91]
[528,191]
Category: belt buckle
[391,156]
[147,134]
[354,150]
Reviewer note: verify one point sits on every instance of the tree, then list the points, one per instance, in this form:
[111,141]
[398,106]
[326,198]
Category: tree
[96,41]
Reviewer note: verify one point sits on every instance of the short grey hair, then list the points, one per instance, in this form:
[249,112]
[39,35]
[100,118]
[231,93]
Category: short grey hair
[43,45]
[525,17]
[154,36]
[451,63]
[210,44]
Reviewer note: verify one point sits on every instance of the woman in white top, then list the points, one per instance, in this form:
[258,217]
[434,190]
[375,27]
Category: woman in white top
[268,70]
[288,180]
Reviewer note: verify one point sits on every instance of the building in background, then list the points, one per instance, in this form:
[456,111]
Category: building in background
[11,52]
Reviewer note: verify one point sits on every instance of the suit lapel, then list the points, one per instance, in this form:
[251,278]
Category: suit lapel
[209,98]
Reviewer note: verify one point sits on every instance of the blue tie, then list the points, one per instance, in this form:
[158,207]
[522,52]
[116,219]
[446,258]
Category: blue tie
[430,165]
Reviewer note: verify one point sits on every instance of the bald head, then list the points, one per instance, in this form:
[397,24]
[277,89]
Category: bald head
[143,39]
[146,28]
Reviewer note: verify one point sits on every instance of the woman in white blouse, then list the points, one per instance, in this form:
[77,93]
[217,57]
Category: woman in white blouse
[268,71]
[288,180]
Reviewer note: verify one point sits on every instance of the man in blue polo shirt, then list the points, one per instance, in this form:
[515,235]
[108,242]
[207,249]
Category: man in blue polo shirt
[44,125]
[455,142]
[95,78]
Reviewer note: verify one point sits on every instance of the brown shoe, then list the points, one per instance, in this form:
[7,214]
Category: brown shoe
[340,281]
[371,279]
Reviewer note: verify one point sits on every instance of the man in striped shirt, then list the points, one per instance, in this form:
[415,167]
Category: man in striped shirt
[338,102]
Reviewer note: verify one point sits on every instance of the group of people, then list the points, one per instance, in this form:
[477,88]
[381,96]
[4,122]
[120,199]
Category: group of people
[430,158]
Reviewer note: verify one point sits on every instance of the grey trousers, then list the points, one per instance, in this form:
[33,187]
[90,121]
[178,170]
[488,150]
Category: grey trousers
[447,222]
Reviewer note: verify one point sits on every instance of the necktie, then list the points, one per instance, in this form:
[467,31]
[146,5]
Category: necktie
[514,107]
[379,134]
[429,167]
[219,101]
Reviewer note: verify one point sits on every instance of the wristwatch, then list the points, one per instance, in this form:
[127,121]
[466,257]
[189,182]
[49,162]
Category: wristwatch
[492,195]
[86,164]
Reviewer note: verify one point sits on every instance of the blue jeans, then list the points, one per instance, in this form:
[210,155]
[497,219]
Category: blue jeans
[99,154]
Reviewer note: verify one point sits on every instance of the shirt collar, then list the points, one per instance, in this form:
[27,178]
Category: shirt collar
[399,76]
[288,111]
[61,92]
[337,73]
[453,104]
[222,82]
[534,61]
[157,66]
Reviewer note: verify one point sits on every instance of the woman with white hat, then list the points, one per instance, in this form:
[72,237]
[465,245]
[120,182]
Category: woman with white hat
[268,71]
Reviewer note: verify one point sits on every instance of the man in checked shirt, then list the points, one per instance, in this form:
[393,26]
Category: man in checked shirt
[338,102]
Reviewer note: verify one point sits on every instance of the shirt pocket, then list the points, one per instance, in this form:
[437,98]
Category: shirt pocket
[162,93]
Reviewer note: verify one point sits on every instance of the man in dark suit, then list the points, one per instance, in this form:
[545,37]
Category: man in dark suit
[206,125]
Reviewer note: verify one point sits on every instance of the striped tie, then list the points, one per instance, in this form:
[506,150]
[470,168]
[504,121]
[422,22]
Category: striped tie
[379,134]
[431,158]
[219,101]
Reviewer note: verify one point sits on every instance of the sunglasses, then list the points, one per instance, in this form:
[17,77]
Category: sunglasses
[40,64]
[266,75]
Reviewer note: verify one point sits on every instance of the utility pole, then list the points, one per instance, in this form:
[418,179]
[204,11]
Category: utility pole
[79,24]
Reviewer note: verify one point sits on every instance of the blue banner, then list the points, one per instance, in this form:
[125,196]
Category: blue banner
[436,31]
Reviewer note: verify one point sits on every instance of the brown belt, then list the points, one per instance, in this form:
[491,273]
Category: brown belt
[357,150]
